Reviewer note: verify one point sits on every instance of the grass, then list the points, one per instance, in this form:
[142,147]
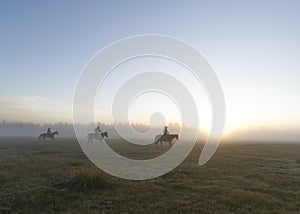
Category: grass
[56,177]
[89,178]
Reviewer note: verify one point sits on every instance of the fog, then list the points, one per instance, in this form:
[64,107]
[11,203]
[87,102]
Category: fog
[21,129]
[66,130]
[267,134]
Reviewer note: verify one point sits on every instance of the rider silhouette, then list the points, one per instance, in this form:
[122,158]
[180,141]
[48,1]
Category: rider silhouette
[97,130]
[49,131]
[165,130]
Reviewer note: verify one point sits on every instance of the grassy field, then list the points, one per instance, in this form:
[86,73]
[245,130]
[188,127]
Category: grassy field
[54,177]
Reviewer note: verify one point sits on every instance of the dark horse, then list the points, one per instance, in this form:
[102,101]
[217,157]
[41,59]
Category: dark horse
[100,137]
[166,137]
[48,135]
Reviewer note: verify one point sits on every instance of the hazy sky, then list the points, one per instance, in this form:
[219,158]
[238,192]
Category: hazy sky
[253,46]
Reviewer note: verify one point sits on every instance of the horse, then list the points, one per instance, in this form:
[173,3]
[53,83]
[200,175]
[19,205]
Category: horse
[48,135]
[166,137]
[95,136]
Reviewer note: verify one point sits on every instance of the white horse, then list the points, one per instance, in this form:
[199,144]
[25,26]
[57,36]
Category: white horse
[93,136]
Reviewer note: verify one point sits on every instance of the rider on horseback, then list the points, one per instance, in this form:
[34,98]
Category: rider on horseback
[49,131]
[165,132]
[97,130]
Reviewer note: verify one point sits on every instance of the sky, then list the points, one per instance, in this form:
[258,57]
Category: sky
[253,47]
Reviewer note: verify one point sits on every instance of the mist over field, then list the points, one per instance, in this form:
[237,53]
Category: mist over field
[265,134]
[66,130]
